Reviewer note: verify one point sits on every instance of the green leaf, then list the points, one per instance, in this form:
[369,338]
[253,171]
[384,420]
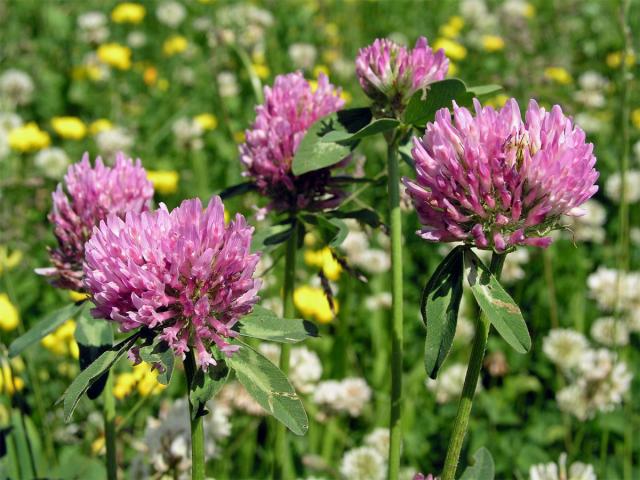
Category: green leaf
[266,325]
[496,303]
[92,373]
[160,355]
[269,387]
[268,237]
[364,215]
[422,109]
[239,189]
[439,307]
[205,385]
[94,337]
[43,328]
[377,126]
[484,90]
[313,153]
[354,119]
[482,468]
[332,231]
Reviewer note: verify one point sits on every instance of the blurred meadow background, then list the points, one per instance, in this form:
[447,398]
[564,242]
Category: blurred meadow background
[175,83]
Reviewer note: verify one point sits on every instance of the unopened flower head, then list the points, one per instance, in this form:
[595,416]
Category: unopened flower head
[389,72]
[183,273]
[87,195]
[291,106]
[495,181]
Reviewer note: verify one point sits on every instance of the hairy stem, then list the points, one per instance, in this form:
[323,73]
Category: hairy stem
[395,225]
[470,383]
[197,430]
[283,467]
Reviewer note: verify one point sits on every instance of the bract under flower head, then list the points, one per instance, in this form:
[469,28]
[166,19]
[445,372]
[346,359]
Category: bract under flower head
[496,181]
[389,72]
[291,106]
[184,274]
[87,195]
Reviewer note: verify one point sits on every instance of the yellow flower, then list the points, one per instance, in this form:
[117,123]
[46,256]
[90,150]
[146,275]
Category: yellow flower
[452,49]
[309,239]
[71,128]
[614,59]
[98,445]
[346,96]
[9,261]
[498,101]
[262,71]
[331,30]
[9,383]
[163,84]
[318,69]
[28,138]
[128,13]
[330,55]
[9,315]
[635,118]
[325,260]
[492,43]
[453,69]
[124,385]
[115,55]
[174,45]
[150,76]
[100,125]
[558,75]
[529,10]
[62,340]
[207,121]
[238,137]
[164,181]
[77,296]
[143,378]
[313,303]
[452,28]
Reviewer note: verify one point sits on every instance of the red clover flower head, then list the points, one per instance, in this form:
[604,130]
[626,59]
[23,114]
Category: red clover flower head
[495,181]
[87,195]
[183,273]
[290,107]
[389,72]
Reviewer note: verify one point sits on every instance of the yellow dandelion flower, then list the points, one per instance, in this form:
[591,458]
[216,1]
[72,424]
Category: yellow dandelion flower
[164,181]
[453,69]
[346,96]
[207,121]
[452,28]
[128,12]
[9,315]
[529,10]
[635,118]
[319,69]
[150,76]
[558,75]
[71,128]
[262,71]
[312,303]
[9,383]
[28,138]
[97,445]
[498,101]
[453,50]
[9,261]
[115,55]
[325,260]
[163,84]
[174,45]
[238,137]
[492,43]
[614,59]
[100,125]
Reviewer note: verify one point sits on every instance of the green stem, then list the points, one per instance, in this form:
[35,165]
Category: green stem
[283,467]
[197,430]
[110,428]
[470,383]
[395,225]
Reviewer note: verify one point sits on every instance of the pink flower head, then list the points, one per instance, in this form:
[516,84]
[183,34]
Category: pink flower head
[496,181]
[183,273]
[389,72]
[91,194]
[289,109]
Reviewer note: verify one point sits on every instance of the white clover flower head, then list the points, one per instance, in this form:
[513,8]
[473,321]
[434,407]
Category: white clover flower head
[448,385]
[613,186]
[588,227]
[112,141]
[558,471]
[228,84]
[171,14]
[52,162]
[565,347]
[363,463]
[303,55]
[379,439]
[610,332]
[92,27]
[16,86]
